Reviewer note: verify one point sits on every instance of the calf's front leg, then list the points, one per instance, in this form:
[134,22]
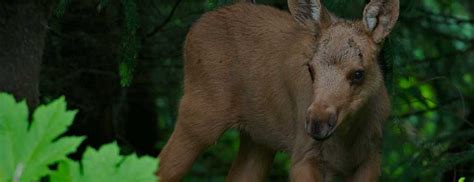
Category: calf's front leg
[305,170]
[368,171]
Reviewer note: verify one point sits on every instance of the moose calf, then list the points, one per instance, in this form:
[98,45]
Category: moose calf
[308,84]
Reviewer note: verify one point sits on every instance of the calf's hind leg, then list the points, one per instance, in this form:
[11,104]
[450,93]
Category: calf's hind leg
[199,125]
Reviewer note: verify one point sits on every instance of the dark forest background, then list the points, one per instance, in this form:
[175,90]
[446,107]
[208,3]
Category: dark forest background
[120,63]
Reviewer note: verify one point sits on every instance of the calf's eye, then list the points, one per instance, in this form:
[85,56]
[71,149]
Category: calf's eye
[357,76]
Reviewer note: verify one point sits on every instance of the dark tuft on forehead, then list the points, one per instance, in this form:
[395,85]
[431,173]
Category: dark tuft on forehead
[352,44]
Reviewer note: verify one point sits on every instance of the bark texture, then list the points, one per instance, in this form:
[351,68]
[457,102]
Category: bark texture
[23,27]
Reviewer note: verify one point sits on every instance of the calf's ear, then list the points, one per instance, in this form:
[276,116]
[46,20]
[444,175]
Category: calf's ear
[310,12]
[380,16]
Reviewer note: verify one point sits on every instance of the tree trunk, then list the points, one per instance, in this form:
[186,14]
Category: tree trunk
[23,27]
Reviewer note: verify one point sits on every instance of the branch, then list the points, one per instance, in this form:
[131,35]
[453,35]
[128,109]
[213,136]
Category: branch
[431,60]
[432,30]
[166,21]
[456,20]
[420,112]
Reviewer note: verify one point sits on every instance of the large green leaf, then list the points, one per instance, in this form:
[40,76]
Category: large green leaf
[26,152]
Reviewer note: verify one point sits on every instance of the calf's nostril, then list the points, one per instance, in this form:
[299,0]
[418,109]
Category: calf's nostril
[315,127]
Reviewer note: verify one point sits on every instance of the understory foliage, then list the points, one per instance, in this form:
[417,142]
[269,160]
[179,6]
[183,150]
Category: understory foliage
[30,152]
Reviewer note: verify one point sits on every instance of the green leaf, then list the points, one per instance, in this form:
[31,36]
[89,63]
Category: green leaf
[68,171]
[106,159]
[106,164]
[27,153]
[13,126]
[138,169]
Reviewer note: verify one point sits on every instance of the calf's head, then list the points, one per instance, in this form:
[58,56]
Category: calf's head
[343,69]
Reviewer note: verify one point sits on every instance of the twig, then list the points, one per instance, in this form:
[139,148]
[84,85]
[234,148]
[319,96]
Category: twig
[166,21]
[420,112]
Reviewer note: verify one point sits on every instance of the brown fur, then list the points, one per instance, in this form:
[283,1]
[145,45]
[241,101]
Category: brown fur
[246,67]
